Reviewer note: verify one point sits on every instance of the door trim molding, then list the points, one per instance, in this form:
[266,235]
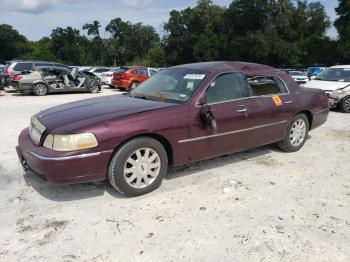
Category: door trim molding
[230,133]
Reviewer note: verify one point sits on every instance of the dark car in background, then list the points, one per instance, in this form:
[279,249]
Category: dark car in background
[314,71]
[2,80]
[16,67]
[182,114]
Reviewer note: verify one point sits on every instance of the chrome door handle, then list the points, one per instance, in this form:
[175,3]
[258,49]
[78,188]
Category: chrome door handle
[288,102]
[243,110]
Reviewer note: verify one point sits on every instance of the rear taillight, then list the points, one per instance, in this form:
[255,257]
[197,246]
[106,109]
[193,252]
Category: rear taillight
[17,78]
[124,76]
[9,73]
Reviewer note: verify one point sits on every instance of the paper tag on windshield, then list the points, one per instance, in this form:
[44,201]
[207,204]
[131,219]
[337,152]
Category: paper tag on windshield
[194,76]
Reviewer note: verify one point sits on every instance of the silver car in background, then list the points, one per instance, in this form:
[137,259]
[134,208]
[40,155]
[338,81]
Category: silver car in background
[44,80]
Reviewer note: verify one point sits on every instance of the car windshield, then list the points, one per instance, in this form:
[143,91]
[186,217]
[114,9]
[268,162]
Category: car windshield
[296,73]
[335,74]
[171,85]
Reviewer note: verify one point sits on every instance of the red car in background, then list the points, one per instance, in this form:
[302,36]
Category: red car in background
[129,77]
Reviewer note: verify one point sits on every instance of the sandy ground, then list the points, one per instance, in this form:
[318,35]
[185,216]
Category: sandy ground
[260,205]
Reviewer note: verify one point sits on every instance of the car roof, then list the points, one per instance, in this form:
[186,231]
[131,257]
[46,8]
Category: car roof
[30,61]
[341,66]
[134,67]
[53,68]
[222,66]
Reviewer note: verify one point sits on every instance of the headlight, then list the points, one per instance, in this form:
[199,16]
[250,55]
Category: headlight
[70,142]
[336,93]
[36,129]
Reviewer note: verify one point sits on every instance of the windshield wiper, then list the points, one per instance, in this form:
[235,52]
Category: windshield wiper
[139,96]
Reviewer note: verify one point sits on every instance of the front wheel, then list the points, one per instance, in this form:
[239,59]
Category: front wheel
[40,89]
[138,167]
[345,105]
[296,134]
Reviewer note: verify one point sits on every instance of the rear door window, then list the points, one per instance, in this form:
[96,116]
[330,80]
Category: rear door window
[43,64]
[143,72]
[267,86]
[23,67]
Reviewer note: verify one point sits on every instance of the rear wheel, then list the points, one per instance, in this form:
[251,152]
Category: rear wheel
[133,85]
[138,167]
[40,89]
[296,134]
[345,104]
[95,89]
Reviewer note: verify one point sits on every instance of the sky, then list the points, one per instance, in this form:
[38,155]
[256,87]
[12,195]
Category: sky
[37,18]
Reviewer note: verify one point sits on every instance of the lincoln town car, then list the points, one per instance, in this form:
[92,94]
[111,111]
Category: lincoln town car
[181,115]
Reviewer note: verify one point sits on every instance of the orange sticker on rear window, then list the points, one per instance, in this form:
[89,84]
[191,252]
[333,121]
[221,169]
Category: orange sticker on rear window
[277,100]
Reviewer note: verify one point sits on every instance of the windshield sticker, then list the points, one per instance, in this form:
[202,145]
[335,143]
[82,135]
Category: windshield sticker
[190,86]
[277,100]
[194,76]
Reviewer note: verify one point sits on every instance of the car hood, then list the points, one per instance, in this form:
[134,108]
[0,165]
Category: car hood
[326,85]
[88,112]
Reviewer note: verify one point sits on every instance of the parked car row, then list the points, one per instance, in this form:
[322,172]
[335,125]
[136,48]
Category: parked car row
[303,76]
[42,78]
[335,81]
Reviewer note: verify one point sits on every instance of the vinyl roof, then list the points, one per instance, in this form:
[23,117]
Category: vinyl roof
[222,66]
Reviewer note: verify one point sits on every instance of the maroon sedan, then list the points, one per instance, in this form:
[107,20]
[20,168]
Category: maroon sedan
[183,114]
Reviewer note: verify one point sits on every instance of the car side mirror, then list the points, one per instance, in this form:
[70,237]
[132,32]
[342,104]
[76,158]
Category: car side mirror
[312,77]
[208,118]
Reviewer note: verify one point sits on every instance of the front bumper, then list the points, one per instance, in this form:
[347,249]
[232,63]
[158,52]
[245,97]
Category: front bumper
[62,167]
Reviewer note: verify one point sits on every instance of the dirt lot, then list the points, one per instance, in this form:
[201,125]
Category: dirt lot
[260,205]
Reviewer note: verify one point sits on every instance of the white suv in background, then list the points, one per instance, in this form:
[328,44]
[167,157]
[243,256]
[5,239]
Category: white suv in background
[335,81]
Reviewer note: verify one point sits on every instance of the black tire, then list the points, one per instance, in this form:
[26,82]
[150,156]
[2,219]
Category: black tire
[40,89]
[95,89]
[133,85]
[345,104]
[286,144]
[116,167]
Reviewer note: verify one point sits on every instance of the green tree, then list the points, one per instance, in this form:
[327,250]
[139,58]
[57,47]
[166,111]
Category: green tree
[131,41]
[12,44]
[69,46]
[41,50]
[342,23]
[343,27]
[195,34]
[93,29]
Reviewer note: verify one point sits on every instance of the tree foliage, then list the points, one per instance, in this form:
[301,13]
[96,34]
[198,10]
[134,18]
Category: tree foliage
[273,32]
[12,44]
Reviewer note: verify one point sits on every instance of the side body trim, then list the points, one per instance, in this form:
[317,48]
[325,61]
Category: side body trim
[230,133]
